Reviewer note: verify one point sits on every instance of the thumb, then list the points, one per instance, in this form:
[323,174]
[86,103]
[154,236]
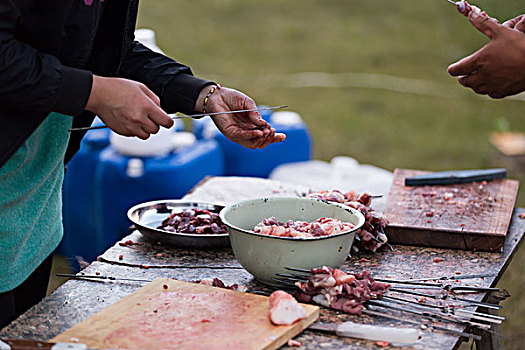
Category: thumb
[485,24]
[464,67]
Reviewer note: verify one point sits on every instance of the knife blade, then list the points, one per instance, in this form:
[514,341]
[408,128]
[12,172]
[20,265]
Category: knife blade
[456,177]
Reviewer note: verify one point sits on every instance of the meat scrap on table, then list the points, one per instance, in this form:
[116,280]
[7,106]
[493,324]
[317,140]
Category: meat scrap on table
[197,221]
[338,290]
[371,236]
[220,284]
[302,229]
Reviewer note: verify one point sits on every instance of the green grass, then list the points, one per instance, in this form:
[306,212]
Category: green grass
[255,46]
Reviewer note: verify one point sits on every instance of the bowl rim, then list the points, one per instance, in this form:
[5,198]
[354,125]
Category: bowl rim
[356,212]
[134,208]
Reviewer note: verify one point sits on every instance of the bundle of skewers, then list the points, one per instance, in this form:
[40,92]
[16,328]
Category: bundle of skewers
[360,293]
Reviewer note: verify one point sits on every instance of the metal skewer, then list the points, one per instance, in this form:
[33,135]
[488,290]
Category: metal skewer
[432,315]
[444,311]
[450,309]
[431,326]
[444,278]
[464,300]
[101,277]
[194,116]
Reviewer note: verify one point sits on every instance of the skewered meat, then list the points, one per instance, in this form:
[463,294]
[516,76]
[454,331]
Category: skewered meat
[196,221]
[301,229]
[284,309]
[465,8]
[371,236]
[345,292]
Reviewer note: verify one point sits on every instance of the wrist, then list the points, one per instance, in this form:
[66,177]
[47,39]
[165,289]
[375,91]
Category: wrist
[205,95]
[94,96]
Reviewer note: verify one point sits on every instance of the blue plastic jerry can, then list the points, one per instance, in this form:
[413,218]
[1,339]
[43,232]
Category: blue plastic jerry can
[241,161]
[123,181]
[79,188]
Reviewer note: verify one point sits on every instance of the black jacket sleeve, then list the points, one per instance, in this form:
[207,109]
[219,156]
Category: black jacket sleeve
[173,82]
[33,80]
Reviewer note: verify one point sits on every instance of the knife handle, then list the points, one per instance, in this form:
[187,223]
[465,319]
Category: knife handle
[18,344]
[378,333]
[455,177]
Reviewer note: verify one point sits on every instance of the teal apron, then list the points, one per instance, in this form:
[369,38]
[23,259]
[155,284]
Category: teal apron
[31,201]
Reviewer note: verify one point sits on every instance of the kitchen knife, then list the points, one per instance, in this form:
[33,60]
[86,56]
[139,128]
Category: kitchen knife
[370,332]
[456,177]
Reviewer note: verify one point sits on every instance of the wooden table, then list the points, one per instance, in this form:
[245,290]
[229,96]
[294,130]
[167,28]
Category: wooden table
[77,300]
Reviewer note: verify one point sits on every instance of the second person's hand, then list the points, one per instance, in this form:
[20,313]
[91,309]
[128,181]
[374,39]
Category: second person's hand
[127,107]
[497,69]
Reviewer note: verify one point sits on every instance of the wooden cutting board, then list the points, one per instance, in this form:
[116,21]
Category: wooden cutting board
[186,316]
[472,216]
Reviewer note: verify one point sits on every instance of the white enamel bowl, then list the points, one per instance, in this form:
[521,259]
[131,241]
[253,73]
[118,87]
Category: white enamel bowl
[264,256]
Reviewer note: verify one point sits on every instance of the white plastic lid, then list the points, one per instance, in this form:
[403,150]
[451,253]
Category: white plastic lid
[285,118]
[182,139]
[156,145]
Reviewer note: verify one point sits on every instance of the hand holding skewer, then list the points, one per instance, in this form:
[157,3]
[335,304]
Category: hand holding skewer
[246,128]
[498,68]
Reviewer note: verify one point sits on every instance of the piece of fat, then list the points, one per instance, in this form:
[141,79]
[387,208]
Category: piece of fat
[321,300]
[284,309]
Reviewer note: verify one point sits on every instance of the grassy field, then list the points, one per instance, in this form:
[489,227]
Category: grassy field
[383,95]
[385,98]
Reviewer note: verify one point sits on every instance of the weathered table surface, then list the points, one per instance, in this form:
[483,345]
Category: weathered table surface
[77,300]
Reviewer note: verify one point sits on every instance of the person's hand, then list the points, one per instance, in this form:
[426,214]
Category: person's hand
[247,128]
[498,68]
[127,107]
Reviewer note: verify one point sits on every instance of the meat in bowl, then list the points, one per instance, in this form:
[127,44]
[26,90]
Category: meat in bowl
[302,229]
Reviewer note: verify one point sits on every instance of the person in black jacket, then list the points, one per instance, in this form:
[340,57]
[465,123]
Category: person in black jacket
[61,63]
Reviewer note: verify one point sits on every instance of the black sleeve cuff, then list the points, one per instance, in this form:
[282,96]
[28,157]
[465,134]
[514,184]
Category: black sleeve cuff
[73,91]
[181,93]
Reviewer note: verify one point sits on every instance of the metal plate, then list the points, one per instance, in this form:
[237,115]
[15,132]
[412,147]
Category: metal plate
[148,216]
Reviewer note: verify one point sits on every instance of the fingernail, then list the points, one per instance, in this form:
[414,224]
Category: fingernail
[474,15]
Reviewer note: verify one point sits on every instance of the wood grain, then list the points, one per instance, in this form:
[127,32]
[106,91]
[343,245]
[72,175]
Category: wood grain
[462,216]
[186,316]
